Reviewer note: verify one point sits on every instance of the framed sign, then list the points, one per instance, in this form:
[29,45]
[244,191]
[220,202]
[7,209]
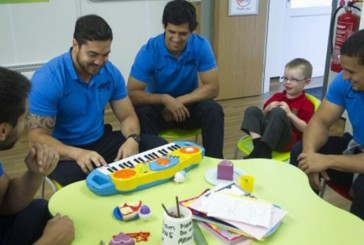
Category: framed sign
[243,7]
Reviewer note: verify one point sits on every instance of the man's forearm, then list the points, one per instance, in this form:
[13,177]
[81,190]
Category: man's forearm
[130,125]
[314,137]
[139,98]
[20,192]
[204,92]
[65,152]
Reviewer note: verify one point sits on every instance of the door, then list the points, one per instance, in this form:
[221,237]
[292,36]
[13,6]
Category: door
[306,31]
[239,45]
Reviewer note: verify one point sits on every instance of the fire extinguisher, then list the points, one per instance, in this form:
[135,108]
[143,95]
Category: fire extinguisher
[347,24]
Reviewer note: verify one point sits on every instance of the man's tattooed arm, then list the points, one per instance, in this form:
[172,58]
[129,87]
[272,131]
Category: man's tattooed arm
[43,122]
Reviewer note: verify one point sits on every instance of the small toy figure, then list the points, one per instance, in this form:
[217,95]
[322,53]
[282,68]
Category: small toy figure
[180,176]
[144,212]
[225,170]
[121,238]
[130,210]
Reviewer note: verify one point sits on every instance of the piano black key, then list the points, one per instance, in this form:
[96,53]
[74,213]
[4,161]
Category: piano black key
[113,168]
[129,164]
[110,170]
[151,156]
[148,157]
[178,147]
[170,148]
[121,166]
[141,159]
[125,165]
[154,154]
[136,160]
[164,151]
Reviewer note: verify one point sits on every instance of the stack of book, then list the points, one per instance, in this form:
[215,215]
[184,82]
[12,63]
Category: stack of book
[233,215]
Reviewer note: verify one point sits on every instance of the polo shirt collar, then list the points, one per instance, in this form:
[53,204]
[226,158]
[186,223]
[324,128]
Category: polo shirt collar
[70,67]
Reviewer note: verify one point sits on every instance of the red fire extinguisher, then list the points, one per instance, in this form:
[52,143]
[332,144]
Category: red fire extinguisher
[347,23]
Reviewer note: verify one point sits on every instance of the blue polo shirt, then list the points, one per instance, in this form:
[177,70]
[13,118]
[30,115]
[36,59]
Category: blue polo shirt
[1,169]
[164,74]
[78,107]
[340,93]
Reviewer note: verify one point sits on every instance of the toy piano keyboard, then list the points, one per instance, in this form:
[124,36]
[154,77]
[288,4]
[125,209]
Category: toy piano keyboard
[145,169]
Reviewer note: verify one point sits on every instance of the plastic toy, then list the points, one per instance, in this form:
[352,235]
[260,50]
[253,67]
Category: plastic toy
[144,212]
[128,210]
[225,170]
[145,169]
[122,238]
[180,176]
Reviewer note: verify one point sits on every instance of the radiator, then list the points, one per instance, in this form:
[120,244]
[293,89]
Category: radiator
[25,69]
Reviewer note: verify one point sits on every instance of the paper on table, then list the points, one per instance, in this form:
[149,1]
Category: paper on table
[257,232]
[238,209]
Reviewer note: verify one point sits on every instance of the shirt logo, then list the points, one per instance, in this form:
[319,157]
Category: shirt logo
[104,86]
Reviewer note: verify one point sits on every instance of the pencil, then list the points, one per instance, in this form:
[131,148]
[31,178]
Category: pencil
[164,207]
[178,214]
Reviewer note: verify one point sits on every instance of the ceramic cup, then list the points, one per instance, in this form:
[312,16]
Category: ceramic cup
[177,230]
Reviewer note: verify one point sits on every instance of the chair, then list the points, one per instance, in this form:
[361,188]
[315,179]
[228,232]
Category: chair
[343,191]
[178,133]
[53,183]
[245,143]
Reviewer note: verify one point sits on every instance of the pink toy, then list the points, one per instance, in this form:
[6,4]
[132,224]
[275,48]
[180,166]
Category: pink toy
[121,238]
[225,170]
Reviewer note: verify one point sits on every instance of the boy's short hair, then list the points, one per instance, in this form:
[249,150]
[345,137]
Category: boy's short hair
[305,65]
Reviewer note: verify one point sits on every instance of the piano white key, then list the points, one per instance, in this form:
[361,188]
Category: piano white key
[131,161]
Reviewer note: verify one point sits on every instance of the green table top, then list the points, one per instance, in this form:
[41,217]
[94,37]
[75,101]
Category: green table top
[310,220]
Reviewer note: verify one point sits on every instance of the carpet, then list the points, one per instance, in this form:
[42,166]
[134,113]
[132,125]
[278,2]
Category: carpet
[317,92]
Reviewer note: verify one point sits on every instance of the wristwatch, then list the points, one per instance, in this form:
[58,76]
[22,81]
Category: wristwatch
[136,137]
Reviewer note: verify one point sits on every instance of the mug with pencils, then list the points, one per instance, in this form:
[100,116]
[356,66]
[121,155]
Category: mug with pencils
[177,226]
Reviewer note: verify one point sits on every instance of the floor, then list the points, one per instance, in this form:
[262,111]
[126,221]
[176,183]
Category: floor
[13,160]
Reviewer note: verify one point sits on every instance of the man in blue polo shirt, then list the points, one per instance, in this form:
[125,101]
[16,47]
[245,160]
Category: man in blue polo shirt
[24,220]
[68,100]
[338,158]
[164,80]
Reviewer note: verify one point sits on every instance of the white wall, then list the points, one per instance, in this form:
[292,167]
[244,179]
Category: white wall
[32,33]
[295,33]
[37,32]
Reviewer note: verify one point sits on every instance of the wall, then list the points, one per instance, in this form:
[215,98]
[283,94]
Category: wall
[37,32]
[295,33]
[32,33]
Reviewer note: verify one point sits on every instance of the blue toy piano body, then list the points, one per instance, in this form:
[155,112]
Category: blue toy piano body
[145,169]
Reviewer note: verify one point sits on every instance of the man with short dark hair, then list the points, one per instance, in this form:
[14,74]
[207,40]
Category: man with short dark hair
[338,158]
[68,101]
[164,80]
[22,219]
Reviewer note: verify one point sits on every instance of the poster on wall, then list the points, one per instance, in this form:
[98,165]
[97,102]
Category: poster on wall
[22,1]
[243,7]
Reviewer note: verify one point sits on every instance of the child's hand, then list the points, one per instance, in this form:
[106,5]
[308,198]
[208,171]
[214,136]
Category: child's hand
[272,105]
[285,107]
